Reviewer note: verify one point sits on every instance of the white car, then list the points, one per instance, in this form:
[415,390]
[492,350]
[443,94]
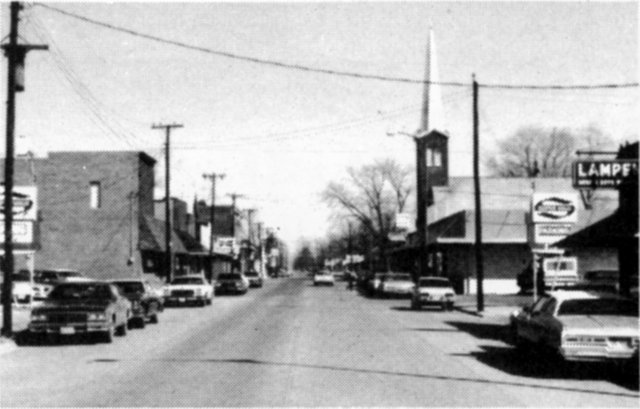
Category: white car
[433,291]
[323,278]
[396,285]
[188,289]
[22,290]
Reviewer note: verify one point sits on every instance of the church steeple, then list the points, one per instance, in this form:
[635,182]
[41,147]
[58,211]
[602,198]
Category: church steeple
[433,121]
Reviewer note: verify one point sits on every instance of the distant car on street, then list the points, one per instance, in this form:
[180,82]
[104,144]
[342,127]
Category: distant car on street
[396,285]
[580,326]
[255,280]
[433,291]
[373,283]
[188,289]
[231,283]
[323,278]
[145,304]
[92,307]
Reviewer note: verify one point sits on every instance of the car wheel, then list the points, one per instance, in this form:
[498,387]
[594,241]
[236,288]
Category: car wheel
[141,323]
[153,319]
[107,336]
[121,331]
[202,303]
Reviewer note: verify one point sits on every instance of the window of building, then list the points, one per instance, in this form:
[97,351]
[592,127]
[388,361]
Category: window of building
[429,157]
[95,195]
[437,157]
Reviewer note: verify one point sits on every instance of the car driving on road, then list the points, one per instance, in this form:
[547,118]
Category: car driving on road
[580,326]
[93,307]
[396,285]
[433,291]
[323,278]
[188,289]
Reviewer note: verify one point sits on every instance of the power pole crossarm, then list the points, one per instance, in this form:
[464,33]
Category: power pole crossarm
[167,183]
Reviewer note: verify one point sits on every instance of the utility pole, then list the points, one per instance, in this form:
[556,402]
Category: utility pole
[261,249]
[15,54]
[167,199]
[350,248]
[478,206]
[212,177]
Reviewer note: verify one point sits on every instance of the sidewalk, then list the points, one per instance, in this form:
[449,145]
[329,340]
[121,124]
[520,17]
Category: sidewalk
[20,319]
[495,305]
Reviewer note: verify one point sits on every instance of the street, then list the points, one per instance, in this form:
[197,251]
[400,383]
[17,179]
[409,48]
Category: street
[293,344]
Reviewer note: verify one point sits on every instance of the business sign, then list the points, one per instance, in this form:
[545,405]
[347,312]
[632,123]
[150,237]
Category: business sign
[24,203]
[554,208]
[603,173]
[224,245]
[22,232]
[549,233]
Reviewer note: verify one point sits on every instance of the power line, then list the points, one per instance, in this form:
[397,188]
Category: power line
[341,73]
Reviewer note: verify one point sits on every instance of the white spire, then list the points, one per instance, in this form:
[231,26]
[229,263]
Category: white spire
[432,108]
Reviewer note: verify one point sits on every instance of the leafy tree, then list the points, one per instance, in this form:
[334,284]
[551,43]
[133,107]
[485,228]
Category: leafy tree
[536,151]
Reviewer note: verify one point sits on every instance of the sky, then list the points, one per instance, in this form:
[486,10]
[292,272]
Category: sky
[280,134]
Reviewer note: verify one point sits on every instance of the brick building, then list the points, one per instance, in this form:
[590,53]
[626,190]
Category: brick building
[96,212]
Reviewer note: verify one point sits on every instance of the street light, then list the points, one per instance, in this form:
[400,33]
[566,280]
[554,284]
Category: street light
[421,192]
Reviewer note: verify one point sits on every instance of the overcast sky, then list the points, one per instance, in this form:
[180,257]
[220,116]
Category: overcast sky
[282,134]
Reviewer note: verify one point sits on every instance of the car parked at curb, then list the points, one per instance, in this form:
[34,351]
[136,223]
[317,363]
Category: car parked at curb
[92,307]
[580,326]
[255,280]
[323,278]
[231,283]
[145,304]
[436,291]
[188,289]
[45,280]
[396,285]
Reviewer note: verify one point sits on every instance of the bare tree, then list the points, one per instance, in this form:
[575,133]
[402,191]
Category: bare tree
[372,194]
[535,151]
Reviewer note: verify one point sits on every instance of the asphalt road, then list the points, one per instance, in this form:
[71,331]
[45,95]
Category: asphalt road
[292,344]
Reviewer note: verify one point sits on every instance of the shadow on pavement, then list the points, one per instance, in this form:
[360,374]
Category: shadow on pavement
[498,332]
[477,380]
[424,309]
[537,364]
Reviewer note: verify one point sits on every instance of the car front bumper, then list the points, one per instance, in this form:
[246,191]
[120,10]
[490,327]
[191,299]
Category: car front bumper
[591,353]
[184,300]
[69,328]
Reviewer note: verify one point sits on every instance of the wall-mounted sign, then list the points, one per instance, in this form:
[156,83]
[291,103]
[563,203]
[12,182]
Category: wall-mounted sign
[603,173]
[22,232]
[225,245]
[554,208]
[24,203]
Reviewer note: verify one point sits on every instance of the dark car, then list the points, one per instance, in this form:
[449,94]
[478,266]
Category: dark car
[145,304]
[92,307]
[45,280]
[231,283]
[255,280]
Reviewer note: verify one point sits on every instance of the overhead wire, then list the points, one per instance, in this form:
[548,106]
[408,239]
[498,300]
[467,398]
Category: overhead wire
[342,73]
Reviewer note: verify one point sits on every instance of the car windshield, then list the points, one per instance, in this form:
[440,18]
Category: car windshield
[229,277]
[130,287]
[399,277]
[187,280]
[251,274]
[84,291]
[599,306]
[433,282]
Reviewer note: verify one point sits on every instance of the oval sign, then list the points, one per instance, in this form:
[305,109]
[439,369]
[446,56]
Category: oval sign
[554,208]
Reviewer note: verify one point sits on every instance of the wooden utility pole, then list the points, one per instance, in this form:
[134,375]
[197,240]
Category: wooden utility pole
[478,205]
[16,54]
[212,214]
[167,199]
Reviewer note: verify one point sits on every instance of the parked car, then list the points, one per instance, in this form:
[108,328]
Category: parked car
[231,283]
[373,283]
[188,289]
[82,308]
[433,291]
[558,272]
[580,326]
[255,280]
[145,304]
[323,278]
[396,285]
[600,280]
[45,280]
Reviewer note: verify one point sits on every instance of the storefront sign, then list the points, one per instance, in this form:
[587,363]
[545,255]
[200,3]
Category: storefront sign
[603,173]
[24,202]
[549,233]
[554,208]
